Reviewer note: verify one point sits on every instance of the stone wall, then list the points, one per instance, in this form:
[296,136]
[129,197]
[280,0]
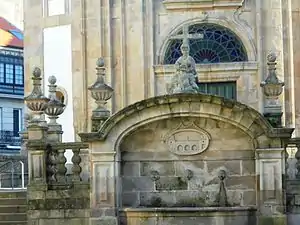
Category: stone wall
[153,176]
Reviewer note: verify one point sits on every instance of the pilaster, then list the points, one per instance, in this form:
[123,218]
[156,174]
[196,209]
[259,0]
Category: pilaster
[270,172]
[36,157]
[104,196]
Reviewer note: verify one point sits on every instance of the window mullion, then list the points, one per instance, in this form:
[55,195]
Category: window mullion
[4,73]
[14,75]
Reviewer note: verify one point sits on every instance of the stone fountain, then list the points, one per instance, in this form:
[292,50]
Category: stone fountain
[168,177]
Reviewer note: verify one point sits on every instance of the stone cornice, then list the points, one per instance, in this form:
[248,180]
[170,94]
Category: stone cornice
[213,72]
[182,5]
[40,145]
[168,104]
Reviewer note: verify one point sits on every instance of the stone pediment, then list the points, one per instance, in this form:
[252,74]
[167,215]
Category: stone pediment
[201,4]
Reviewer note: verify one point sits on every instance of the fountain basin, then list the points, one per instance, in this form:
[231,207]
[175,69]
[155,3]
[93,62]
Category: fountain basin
[189,216]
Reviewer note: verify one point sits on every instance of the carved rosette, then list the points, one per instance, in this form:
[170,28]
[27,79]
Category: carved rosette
[36,101]
[187,141]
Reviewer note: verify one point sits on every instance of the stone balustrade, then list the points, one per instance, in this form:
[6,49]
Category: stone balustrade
[293,175]
[56,171]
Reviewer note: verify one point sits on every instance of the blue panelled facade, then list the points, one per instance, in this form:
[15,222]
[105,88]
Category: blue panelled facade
[11,99]
[11,72]
[209,44]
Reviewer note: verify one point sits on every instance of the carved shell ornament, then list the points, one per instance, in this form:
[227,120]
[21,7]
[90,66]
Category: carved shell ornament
[187,141]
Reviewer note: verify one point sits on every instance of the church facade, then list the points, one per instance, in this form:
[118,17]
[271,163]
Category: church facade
[140,40]
[174,149]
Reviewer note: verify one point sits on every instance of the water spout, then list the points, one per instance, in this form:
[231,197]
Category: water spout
[221,199]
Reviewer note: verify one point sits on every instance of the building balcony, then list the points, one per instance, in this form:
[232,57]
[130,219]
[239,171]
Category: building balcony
[9,140]
[12,89]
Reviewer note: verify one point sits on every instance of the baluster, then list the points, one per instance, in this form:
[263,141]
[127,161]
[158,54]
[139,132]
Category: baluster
[51,165]
[297,156]
[61,168]
[76,169]
[286,162]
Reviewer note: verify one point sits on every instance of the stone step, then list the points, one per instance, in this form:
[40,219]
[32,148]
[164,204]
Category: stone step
[13,208]
[12,201]
[7,217]
[13,222]
[13,194]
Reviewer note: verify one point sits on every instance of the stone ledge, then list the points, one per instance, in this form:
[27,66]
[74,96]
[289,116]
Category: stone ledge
[190,209]
[42,145]
[59,213]
[62,203]
[201,4]
[229,69]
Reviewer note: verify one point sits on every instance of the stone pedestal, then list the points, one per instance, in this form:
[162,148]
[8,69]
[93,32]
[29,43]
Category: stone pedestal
[37,135]
[103,202]
[55,207]
[270,169]
[55,133]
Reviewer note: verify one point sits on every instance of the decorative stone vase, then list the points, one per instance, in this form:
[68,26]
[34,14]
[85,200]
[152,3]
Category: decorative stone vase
[101,93]
[36,101]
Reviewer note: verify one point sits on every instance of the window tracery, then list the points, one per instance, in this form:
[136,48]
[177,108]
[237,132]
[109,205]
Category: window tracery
[209,43]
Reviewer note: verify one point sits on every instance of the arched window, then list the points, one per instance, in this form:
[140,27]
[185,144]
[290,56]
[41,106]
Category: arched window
[209,43]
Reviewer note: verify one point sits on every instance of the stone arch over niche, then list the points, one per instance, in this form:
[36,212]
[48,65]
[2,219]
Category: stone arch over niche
[157,108]
[238,30]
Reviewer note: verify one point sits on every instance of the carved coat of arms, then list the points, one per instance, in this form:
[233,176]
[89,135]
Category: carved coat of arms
[187,141]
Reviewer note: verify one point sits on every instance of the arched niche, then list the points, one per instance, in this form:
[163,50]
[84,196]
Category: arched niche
[231,128]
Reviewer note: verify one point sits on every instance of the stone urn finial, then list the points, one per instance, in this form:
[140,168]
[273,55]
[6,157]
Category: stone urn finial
[36,101]
[272,89]
[272,86]
[54,107]
[101,93]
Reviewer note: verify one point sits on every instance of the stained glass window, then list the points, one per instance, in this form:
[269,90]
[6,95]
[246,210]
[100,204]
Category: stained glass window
[209,43]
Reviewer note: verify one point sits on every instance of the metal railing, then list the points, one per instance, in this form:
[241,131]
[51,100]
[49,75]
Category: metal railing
[9,138]
[13,175]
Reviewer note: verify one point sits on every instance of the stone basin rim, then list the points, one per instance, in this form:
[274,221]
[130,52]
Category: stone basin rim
[189,209]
